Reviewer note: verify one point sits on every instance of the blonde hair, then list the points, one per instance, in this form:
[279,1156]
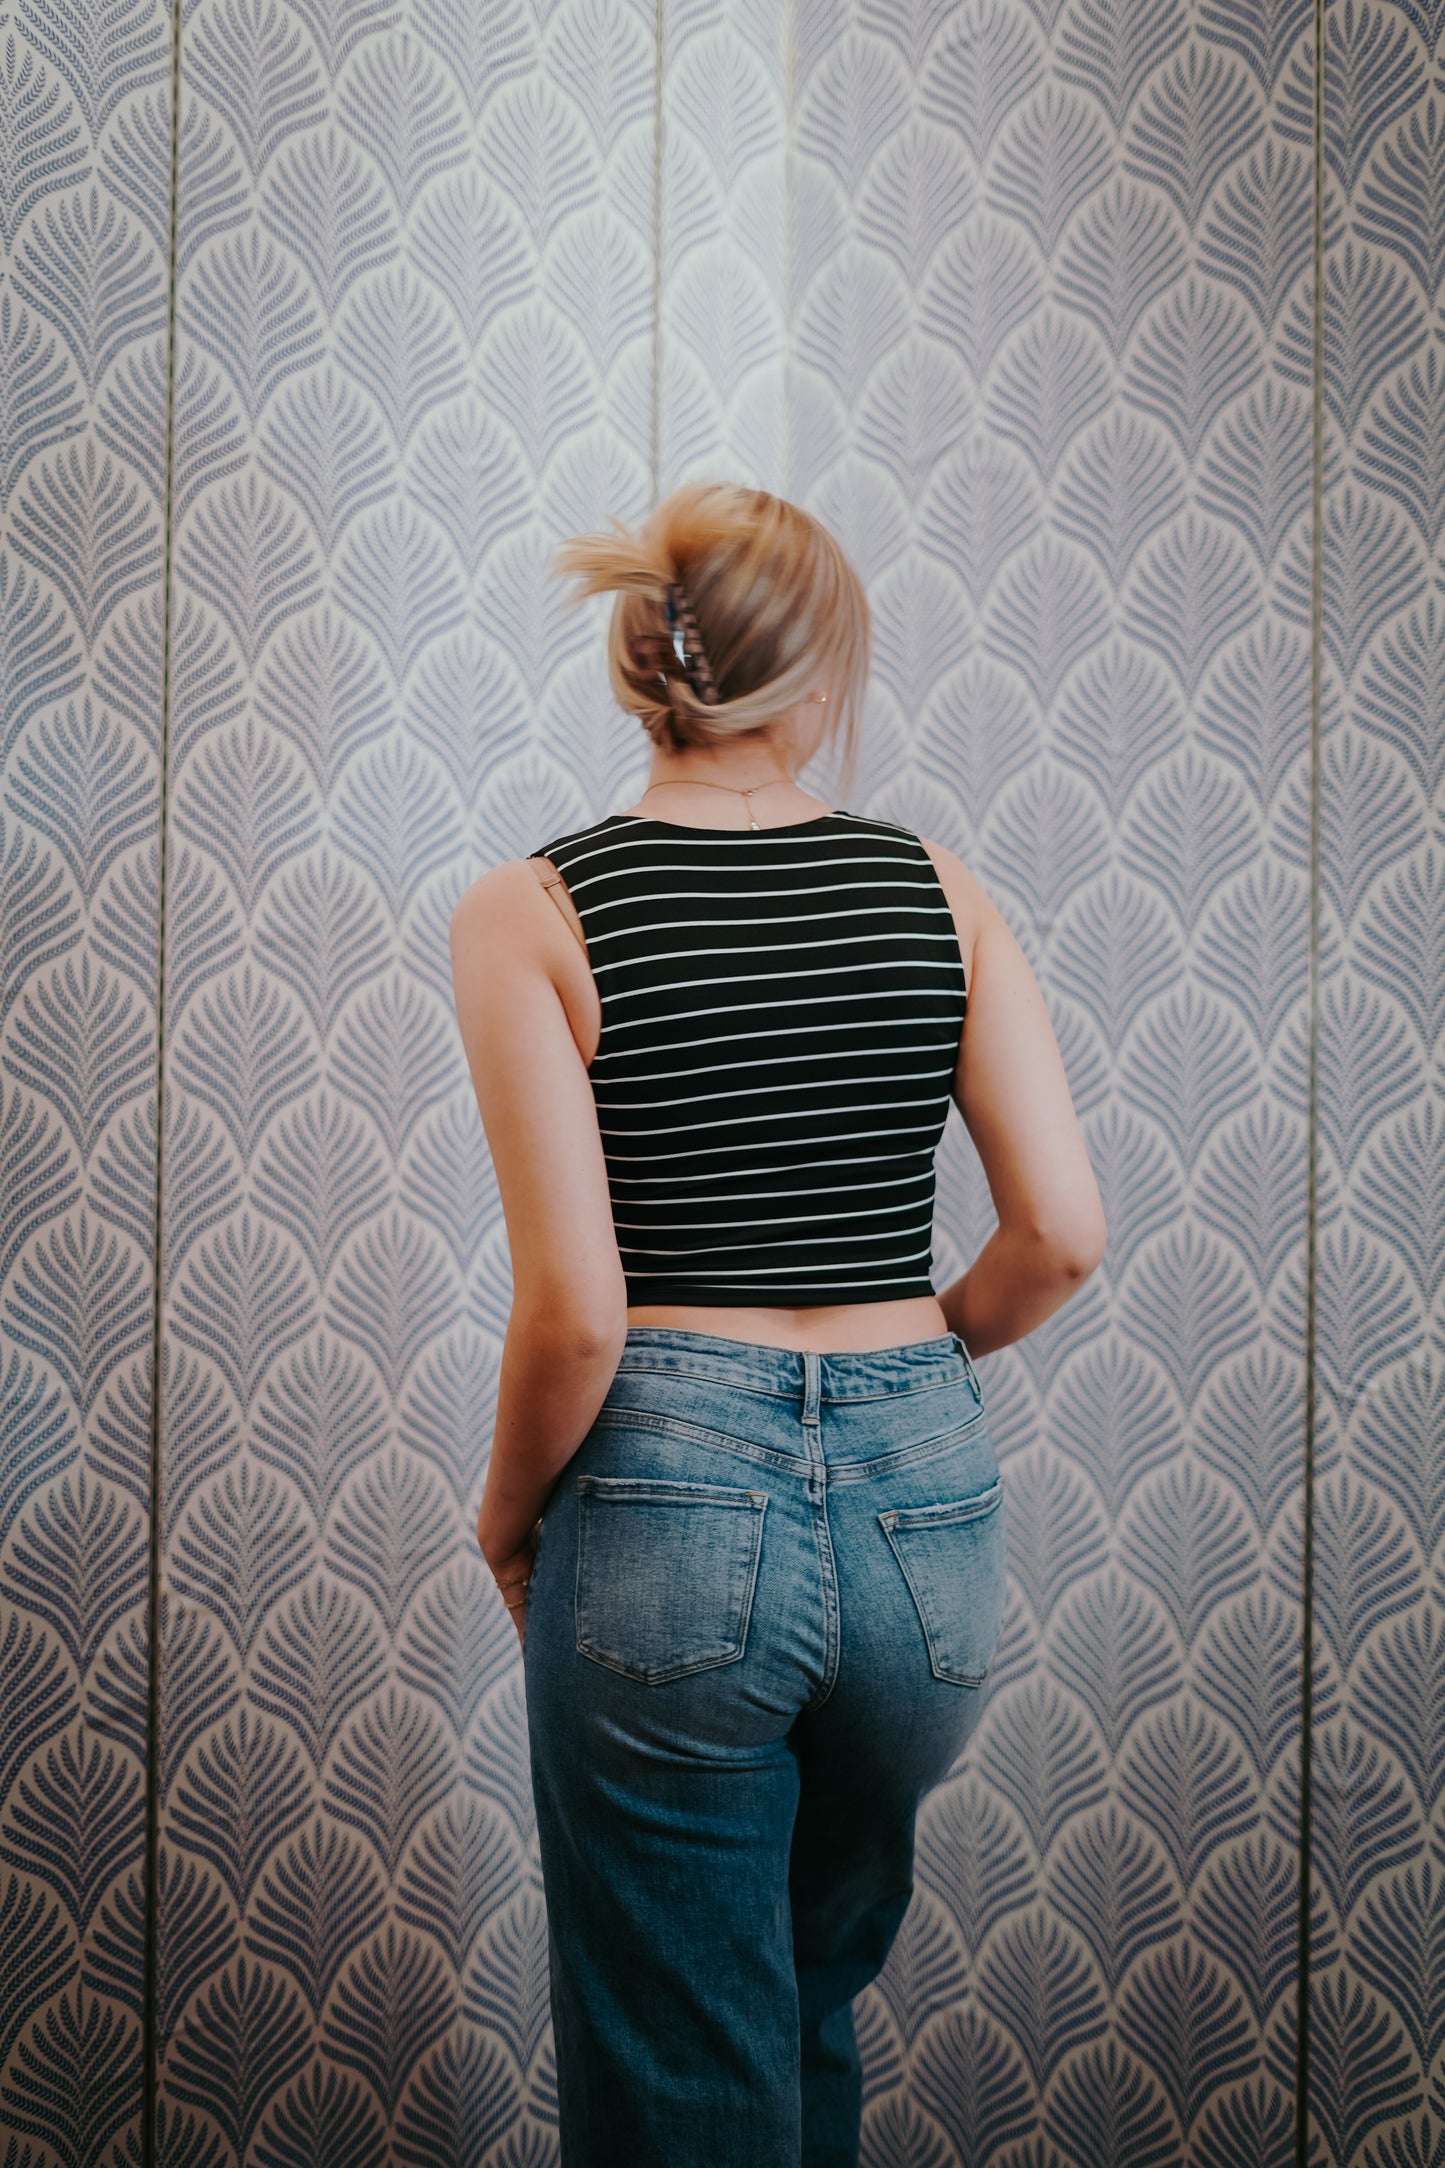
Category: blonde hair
[779,611]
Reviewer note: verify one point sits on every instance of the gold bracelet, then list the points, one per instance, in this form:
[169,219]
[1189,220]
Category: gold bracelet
[518,1580]
[515,1606]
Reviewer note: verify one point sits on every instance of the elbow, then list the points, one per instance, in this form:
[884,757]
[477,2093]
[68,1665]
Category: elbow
[1083,1251]
[597,1340]
[1073,1246]
[569,1334]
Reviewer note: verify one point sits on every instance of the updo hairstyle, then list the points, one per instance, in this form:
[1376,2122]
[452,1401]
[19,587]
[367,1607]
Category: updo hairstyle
[764,605]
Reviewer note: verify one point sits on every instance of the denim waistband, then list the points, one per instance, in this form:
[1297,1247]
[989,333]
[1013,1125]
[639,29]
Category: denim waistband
[794,1373]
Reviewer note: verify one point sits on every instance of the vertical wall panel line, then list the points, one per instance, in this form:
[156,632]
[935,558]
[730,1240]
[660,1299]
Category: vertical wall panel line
[151,1955]
[790,219]
[1307,1570]
[655,442]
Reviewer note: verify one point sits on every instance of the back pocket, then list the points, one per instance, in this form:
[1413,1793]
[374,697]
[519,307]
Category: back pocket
[953,1559]
[665,1574]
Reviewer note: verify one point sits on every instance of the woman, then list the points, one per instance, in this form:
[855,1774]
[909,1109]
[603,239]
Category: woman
[742,1493]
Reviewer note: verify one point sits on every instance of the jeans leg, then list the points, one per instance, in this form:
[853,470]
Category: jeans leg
[850,1883]
[886,1734]
[665,1814]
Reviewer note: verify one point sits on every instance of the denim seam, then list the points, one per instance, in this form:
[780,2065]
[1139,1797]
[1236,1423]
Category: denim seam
[849,1471]
[645,1487]
[866,1471]
[946,1512]
[822,1542]
[691,1376]
[695,1434]
[788,1399]
[910,1391]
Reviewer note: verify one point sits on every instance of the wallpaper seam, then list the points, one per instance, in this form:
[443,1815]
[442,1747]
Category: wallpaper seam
[655,416]
[151,1947]
[790,218]
[1316,697]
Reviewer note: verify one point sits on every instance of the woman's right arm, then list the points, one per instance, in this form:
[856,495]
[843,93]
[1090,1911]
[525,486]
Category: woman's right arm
[1013,1094]
[511,955]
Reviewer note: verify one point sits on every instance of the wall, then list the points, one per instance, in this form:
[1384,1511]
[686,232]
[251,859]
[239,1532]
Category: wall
[1019,295]
[83,309]
[1051,270]
[1377,1851]
[418,259]
[416,348]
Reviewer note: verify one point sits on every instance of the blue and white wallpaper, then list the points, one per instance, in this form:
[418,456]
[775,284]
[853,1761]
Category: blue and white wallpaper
[1377,1852]
[84,133]
[415,305]
[1019,295]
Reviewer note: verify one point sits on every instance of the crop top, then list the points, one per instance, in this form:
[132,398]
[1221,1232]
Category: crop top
[781,1017]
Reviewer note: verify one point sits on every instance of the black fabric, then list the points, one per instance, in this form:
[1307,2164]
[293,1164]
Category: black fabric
[781,1012]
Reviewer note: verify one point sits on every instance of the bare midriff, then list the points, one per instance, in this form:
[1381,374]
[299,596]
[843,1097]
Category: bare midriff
[834,1328]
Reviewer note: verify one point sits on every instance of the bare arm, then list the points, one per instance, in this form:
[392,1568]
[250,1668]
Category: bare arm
[1013,1093]
[569,1298]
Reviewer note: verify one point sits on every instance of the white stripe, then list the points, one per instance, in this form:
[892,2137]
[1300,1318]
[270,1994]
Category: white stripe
[759,1227]
[746,1091]
[794,1166]
[845,1136]
[728,895]
[784,1031]
[794,1242]
[799,918]
[770,1272]
[844,858]
[780,1061]
[750,978]
[780,1114]
[793,889]
[775,948]
[763,1196]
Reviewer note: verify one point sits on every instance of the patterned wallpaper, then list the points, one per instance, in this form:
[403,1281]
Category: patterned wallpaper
[416,348]
[1018,295]
[83,311]
[1377,1856]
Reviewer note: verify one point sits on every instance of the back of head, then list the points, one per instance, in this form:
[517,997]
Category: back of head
[759,597]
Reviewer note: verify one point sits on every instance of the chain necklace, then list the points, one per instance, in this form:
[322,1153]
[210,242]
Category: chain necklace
[690,783]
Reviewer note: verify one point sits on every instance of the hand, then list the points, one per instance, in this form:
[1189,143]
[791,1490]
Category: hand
[512,1573]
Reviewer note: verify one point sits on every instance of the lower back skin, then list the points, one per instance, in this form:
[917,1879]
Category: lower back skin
[825,1328]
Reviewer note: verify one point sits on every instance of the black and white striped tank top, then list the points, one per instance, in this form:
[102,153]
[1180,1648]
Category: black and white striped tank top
[781,1012]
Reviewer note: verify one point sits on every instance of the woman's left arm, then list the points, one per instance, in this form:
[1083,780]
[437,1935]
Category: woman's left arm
[568,1320]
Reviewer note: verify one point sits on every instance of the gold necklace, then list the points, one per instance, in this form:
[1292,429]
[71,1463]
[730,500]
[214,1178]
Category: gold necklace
[690,783]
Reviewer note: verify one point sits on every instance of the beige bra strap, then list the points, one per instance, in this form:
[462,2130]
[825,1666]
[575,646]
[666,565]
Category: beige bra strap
[569,908]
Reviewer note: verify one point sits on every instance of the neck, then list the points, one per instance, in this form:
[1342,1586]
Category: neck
[751,775]
[692,788]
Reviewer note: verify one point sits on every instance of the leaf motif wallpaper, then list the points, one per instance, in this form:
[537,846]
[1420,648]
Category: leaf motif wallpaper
[84,131]
[416,343]
[1019,296]
[1377,1854]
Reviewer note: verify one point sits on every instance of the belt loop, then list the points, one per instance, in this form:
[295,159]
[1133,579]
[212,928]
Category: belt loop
[958,1341]
[812,1384]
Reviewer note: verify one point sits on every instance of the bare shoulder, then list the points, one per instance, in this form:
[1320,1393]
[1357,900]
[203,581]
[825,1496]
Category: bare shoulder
[498,902]
[972,906]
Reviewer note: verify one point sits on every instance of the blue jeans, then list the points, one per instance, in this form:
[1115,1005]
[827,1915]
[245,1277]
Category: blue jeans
[768,1587]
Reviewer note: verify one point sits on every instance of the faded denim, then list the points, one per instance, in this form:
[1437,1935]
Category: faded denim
[767,1593]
